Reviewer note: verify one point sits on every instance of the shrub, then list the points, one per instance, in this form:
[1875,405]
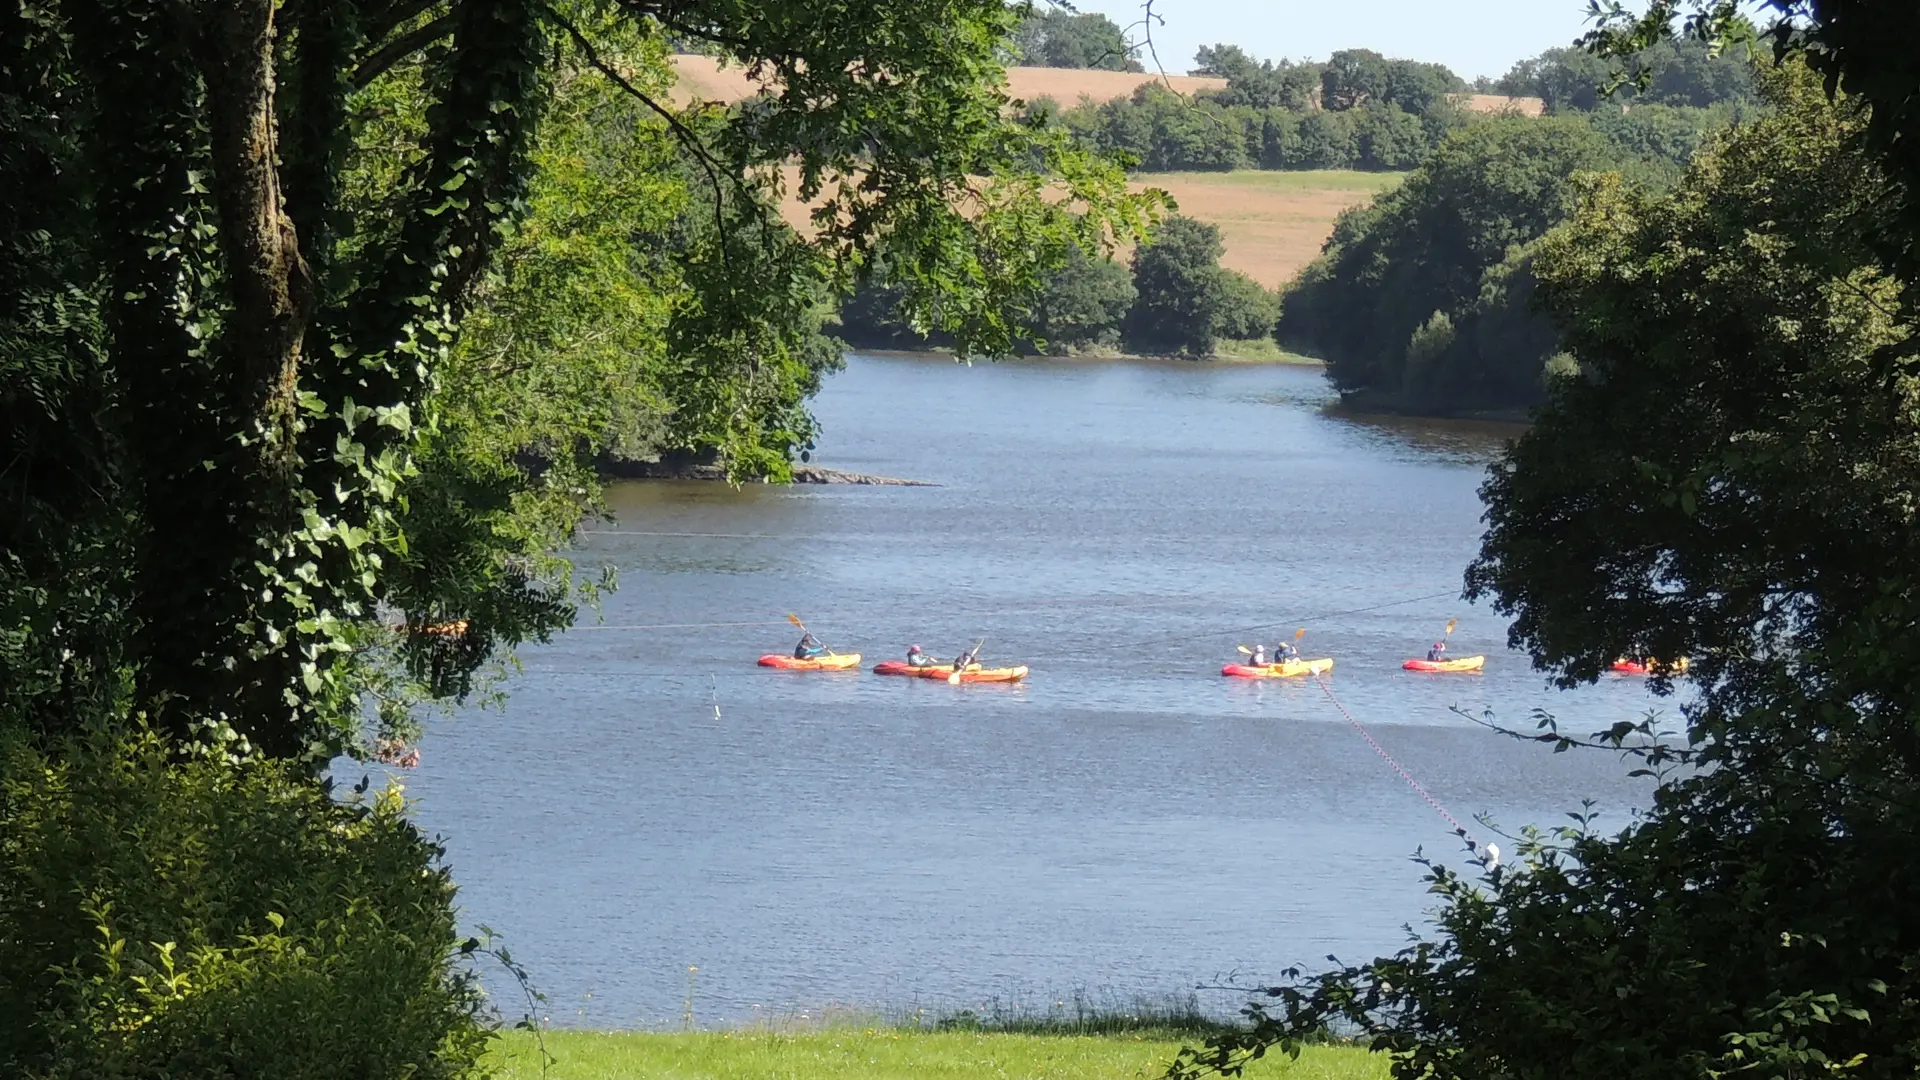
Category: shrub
[1244,309]
[209,918]
[1178,280]
[1085,301]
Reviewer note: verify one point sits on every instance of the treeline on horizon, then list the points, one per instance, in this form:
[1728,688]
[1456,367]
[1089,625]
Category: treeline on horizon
[1359,109]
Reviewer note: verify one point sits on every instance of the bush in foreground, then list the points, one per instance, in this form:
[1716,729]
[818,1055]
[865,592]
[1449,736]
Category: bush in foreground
[209,918]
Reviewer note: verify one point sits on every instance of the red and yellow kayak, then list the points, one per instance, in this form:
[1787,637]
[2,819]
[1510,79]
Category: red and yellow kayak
[1648,667]
[974,672]
[818,663]
[1458,663]
[1287,670]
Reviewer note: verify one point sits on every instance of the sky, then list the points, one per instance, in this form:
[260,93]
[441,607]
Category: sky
[1473,37]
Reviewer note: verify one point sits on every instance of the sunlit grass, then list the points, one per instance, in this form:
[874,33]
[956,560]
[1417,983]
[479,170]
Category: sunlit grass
[871,1053]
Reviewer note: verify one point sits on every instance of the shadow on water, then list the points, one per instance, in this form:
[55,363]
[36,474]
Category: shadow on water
[1476,442]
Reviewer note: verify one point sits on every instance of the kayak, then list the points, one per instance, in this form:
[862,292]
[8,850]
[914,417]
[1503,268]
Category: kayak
[1458,663]
[974,672]
[818,663]
[1650,667]
[1288,670]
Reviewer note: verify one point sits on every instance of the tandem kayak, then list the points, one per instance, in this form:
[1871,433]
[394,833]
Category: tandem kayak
[974,673]
[1458,663]
[818,663]
[1288,670]
[1649,667]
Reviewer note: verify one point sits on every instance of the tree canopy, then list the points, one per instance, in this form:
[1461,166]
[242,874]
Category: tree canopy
[1067,39]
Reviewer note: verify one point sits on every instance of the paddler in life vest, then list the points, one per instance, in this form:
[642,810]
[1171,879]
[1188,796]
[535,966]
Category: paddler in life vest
[1259,658]
[916,658]
[808,649]
[1284,652]
[1438,652]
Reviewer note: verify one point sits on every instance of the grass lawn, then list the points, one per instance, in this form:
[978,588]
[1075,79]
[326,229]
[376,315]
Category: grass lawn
[874,1053]
[1261,350]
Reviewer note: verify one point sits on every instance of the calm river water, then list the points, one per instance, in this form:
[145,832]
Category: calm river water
[1127,821]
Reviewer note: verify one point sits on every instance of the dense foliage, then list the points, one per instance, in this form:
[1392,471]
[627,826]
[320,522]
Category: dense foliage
[1685,73]
[208,918]
[1421,299]
[1727,473]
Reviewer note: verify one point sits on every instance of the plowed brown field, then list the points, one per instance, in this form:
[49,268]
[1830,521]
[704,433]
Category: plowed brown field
[702,79]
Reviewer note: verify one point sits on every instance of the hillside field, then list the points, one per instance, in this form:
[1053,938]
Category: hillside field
[1273,222]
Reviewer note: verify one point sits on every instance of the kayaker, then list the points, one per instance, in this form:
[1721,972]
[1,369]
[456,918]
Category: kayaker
[1438,652]
[1284,652]
[1259,658]
[966,659]
[808,648]
[916,658]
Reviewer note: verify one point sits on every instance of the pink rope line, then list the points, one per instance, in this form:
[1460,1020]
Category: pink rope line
[1388,758]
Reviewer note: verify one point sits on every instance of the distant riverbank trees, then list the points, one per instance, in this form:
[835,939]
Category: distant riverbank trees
[1423,301]
[1420,299]
[1173,298]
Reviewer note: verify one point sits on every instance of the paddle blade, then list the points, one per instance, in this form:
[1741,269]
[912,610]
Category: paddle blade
[794,619]
[954,679]
[1244,650]
[1451,623]
[1300,633]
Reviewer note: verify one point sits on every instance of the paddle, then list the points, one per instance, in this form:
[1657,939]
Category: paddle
[795,620]
[965,659]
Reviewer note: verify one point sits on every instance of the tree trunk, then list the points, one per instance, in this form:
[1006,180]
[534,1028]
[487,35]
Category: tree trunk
[272,291]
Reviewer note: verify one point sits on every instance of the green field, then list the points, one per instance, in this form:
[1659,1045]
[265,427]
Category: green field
[882,1052]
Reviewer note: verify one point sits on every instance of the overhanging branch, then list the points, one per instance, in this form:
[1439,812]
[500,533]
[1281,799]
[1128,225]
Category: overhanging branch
[683,134]
[400,48]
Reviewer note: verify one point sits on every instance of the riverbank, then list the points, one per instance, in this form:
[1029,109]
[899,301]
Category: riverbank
[873,1053]
[1226,351]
